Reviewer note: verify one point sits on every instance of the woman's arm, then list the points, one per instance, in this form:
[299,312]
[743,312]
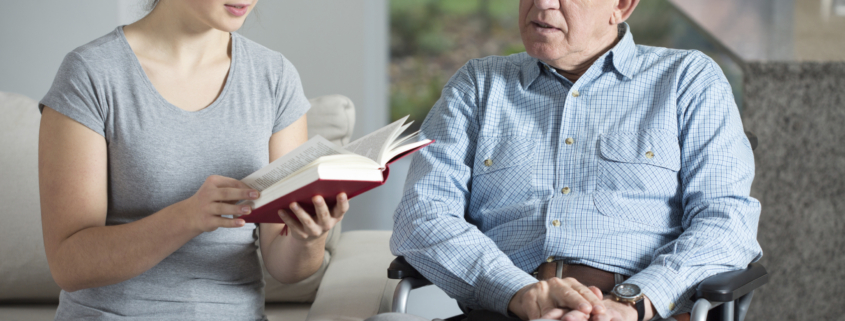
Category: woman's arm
[82,252]
[297,255]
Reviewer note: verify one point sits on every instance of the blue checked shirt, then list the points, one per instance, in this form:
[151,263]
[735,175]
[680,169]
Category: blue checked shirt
[641,167]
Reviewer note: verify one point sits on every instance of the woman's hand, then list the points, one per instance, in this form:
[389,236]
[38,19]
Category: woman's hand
[307,228]
[216,197]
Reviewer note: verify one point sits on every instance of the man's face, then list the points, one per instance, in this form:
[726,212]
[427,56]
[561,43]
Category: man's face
[554,29]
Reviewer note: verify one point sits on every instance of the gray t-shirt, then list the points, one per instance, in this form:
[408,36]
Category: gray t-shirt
[159,154]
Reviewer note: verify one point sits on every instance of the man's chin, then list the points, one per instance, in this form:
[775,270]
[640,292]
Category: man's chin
[545,53]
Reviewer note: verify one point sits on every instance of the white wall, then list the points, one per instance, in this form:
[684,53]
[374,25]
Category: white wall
[338,46]
[36,35]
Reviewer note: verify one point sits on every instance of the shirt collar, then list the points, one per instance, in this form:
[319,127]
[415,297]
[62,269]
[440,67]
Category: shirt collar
[622,56]
[624,53]
[530,71]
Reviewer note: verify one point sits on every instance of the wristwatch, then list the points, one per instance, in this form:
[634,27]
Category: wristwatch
[630,294]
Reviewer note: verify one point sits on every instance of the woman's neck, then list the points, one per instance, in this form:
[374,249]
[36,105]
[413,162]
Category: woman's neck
[169,34]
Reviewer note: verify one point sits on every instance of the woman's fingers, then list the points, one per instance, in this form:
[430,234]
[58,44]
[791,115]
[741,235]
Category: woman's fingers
[224,194]
[322,213]
[293,224]
[223,181]
[308,225]
[228,222]
[218,208]
[218,196]
[341,206]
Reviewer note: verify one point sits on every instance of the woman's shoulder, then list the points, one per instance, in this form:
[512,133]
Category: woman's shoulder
[259,55]
[102,48]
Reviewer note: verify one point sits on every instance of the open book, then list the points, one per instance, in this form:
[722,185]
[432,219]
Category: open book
[320,167]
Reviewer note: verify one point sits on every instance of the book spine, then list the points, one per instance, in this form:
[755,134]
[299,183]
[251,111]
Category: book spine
[269,213]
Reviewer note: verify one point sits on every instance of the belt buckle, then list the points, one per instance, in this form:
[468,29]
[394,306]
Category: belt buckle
[559,265]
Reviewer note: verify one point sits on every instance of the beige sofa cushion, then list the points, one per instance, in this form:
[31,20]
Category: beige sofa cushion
[286,311]
[356,286]
[24,273]
[28,312]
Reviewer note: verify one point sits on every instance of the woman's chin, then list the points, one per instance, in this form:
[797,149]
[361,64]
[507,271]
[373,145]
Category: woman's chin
[229,26]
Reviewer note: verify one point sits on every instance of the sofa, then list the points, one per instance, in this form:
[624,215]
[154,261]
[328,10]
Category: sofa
[351,284]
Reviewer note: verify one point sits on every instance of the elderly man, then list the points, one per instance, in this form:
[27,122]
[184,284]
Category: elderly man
[588,178]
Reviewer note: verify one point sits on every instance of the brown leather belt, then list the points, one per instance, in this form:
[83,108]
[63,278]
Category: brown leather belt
[587,275]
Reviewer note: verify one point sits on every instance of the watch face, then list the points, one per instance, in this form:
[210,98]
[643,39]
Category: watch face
[627,290]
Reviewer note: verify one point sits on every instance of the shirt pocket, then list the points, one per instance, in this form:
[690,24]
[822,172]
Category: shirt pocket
[501,172]
[639,177]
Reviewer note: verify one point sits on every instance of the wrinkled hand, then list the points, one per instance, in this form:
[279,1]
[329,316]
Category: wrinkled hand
[554,298]
[305,227]
[616,311]
[217,196]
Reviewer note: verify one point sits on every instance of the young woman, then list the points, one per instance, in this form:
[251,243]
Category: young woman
[144,134]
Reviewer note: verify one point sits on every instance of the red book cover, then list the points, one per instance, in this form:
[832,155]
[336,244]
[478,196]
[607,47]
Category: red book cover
[269,213]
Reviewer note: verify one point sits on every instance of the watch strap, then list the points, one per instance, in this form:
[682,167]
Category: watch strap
[640,305]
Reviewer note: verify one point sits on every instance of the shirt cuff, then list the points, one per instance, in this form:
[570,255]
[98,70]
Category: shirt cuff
[496,289]
[660,284]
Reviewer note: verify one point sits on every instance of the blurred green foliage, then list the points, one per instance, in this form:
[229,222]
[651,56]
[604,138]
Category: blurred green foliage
[431,39]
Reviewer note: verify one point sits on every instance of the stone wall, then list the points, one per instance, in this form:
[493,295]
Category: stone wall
[798,112]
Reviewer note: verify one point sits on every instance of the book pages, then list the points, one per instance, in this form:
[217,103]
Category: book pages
[407,139]
[374,144]
[314,148]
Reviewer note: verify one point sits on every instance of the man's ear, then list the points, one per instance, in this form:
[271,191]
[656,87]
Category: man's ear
[623,10]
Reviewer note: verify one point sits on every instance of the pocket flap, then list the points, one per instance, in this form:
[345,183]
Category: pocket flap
[653,147]
[495,153]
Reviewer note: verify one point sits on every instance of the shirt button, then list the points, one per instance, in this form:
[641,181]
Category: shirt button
[488,162]
[556,223]
[565,190]
[550,259]
[671,306]
[576,94]
[570,141]
[649,155]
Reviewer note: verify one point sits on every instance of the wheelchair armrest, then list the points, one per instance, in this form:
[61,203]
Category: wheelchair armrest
[400,269]
[751,139]
[729,286]
[410,278]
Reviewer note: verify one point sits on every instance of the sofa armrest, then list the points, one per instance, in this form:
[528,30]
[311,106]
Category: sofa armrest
[354,285]
[333,117]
